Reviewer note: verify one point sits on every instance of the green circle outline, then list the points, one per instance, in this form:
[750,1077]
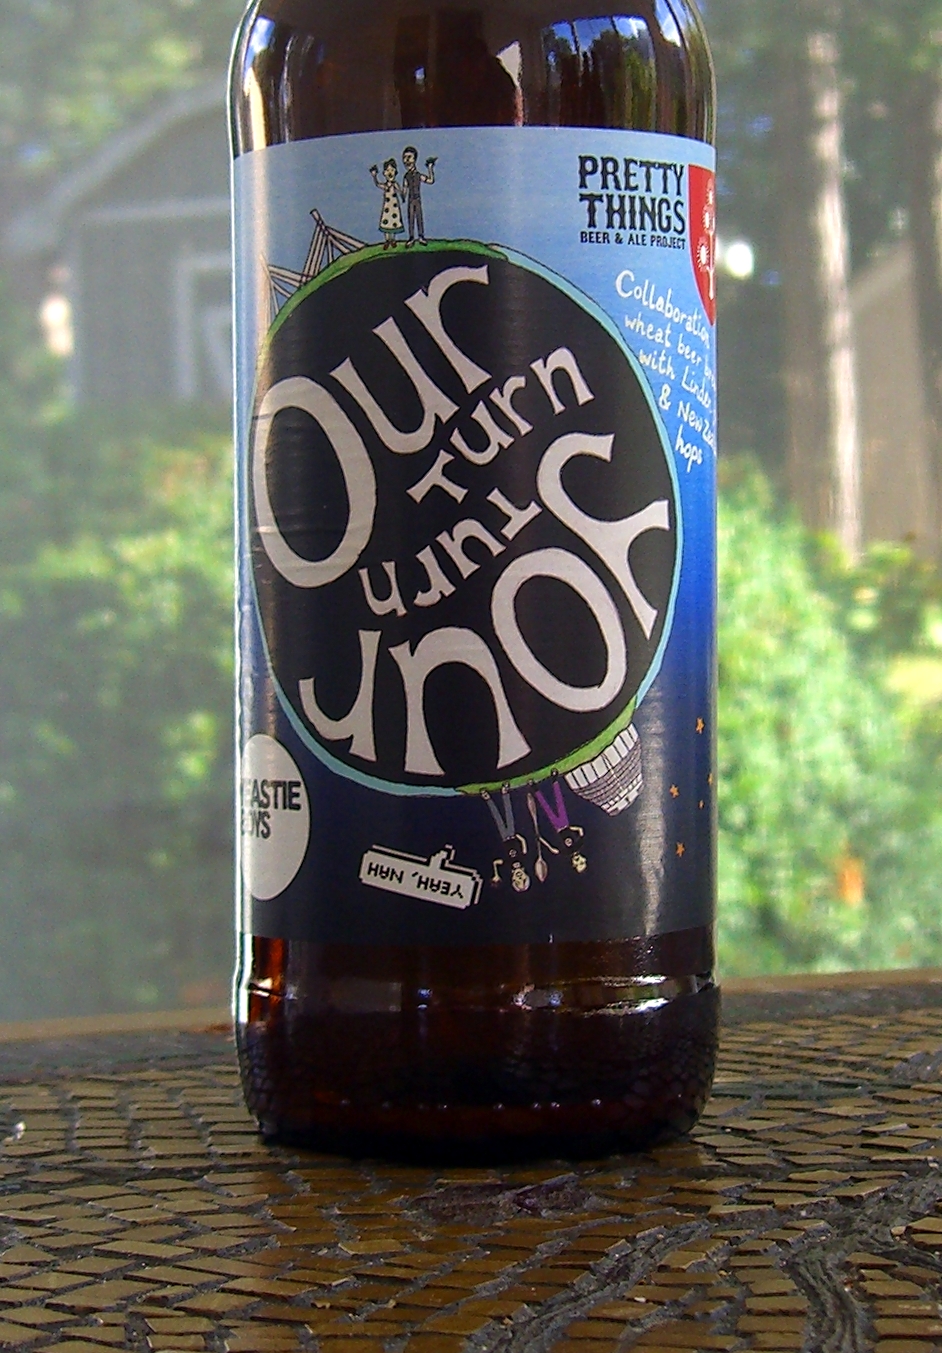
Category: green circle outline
[590,750]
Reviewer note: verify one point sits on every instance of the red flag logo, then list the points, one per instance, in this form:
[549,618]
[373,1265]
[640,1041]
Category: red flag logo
[703,235]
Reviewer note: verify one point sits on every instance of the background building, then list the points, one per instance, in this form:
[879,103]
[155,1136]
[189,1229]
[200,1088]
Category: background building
[139,240]
[897,485]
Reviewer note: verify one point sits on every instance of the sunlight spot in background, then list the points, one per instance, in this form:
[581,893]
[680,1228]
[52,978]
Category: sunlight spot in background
[55,316]
[737,259]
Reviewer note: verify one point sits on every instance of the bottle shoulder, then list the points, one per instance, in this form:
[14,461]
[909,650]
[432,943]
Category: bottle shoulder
[307,68]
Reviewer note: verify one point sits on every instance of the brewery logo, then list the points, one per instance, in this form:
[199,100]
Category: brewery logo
[465,533]
[703,235]
[632,201]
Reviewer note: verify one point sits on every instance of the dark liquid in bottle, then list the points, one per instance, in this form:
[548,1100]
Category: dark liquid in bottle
[501,1050]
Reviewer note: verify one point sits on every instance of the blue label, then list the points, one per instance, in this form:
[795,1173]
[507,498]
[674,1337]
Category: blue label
[476,394]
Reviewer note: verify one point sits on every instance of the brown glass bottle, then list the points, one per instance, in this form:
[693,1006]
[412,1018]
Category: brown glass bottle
[489,1050]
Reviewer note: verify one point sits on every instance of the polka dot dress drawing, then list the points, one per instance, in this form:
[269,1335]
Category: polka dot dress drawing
[390,221]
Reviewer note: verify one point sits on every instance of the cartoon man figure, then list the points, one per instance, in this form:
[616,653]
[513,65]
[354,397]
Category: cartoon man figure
[412,181]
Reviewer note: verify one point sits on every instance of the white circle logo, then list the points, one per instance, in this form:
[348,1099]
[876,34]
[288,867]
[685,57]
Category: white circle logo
[275,817]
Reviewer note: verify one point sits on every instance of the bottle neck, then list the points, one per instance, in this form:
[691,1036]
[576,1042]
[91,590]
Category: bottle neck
[302,70]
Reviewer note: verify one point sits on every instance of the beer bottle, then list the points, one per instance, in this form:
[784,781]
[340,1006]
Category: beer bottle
[475,418]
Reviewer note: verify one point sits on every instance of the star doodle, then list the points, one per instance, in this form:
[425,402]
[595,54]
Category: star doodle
[700,725]
[675,792]
[681,850]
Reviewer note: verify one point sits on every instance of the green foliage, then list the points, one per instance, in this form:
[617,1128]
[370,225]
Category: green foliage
[115,735]
[115,726]
[72,71]
[830,819]
[890,604]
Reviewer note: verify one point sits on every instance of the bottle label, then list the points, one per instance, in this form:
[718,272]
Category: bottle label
[476,395]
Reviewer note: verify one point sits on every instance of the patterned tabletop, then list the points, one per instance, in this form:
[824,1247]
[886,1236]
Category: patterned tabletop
[138,1210]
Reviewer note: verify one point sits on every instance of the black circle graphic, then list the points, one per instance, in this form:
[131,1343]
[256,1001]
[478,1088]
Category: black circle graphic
[463,521]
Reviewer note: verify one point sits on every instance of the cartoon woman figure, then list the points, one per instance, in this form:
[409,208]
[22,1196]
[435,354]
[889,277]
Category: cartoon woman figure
[390,221]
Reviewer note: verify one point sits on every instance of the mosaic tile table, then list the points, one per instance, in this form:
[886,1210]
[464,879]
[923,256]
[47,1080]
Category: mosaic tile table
[138,1210]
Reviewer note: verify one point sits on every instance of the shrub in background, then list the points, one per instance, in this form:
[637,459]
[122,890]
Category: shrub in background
[830,799]
[115,726]
[115,719]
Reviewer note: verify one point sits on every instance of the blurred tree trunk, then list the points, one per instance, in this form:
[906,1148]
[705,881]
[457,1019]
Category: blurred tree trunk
[824,470]
[922,121]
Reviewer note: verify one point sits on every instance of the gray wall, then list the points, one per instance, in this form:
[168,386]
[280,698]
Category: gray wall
[149,260]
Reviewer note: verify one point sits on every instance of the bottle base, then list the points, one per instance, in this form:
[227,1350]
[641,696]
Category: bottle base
[530,1084]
